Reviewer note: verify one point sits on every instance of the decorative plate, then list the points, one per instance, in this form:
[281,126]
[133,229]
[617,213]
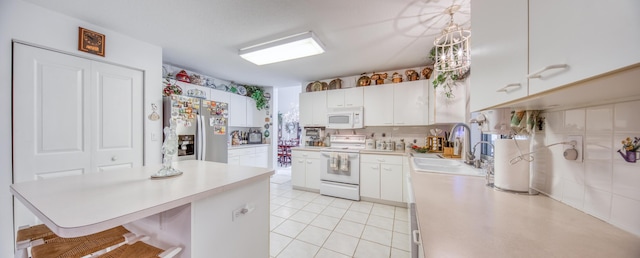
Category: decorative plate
[309,87]
[242,90]
[364,81]
[316,86]
[335,84]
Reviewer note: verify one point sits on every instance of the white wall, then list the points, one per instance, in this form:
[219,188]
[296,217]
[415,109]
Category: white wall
[604,185]
[28,23]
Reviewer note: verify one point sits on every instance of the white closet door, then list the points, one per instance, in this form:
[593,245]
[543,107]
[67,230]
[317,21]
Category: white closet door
[117,118]
[51,117]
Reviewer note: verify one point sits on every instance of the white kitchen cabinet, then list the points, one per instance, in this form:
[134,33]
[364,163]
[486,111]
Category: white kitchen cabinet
[313,108]
[237,110]
[255,117]
[449,110]
[305,169]
[410,103]
[369,179]
[530,47]
[591,38]
[499,52]
[349,97]
[381,177]
[391,182]
[220,96]
[405,174]
[249,156]
[378,105]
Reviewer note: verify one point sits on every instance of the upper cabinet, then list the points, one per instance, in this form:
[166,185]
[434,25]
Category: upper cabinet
[530,47]
[410,103]
[237,110]
[313,108]
[571,40]
[499,52]
[349,97]
[378,105]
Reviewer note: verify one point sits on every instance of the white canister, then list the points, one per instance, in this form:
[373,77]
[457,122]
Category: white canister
[400,146]
[370,144]
[391,145]
[380,145]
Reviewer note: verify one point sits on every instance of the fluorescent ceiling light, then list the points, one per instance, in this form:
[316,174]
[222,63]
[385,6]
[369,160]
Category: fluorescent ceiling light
[287,48]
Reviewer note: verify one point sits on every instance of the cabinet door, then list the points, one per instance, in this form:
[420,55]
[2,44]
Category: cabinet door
[249,160]
[405,174]
[219,96]
[370,180]
[306,109]
[391,182]
[233,160]
[353,97]
[378,105]
[252,111]
[262,160]
[410,103]
[449,110]
[499,52]
[319,108]
[313,167]
[335,98]
[591,37]
[298,172]
[237,110]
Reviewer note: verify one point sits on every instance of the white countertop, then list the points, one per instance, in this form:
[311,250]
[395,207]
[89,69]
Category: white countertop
[460,217]
[80,205]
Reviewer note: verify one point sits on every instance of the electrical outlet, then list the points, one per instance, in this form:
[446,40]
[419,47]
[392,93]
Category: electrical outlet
[578,146]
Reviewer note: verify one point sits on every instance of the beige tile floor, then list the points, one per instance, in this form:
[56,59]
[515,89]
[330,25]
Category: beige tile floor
[306,224]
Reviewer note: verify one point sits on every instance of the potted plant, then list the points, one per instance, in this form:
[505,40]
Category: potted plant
[257,94]
[447,79]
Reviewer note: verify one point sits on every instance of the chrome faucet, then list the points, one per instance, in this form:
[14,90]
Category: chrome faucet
[473,153]
[469,157]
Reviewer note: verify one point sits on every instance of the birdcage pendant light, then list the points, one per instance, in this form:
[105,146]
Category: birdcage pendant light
[452,52]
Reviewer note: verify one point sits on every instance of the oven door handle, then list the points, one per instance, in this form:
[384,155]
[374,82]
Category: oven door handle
[328,154]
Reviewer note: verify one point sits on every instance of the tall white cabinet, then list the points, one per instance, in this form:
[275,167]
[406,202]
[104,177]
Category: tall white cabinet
[72,116]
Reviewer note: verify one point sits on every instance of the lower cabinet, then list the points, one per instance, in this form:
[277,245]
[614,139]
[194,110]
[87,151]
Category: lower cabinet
[305,169]
[382,177]
[249,156]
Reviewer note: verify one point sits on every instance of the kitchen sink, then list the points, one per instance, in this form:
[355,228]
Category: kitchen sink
[446,166]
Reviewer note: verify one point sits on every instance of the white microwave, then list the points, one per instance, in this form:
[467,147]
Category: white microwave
[345,118]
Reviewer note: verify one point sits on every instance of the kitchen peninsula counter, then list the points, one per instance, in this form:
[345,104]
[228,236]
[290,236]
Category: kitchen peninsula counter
[80,205]
[460,217]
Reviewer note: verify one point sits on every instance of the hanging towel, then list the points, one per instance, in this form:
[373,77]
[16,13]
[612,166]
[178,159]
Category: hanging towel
[344,162]
[333,161]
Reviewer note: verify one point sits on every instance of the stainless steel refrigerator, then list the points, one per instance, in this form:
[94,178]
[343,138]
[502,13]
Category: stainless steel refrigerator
[201,127]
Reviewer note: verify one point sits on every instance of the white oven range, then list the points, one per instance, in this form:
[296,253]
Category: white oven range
[341,178]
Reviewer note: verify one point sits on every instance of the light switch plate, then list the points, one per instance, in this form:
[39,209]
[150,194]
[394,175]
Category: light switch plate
[579,147]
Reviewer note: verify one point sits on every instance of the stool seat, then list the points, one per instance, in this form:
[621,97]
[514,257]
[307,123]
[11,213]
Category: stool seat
[137,249]
[79,246]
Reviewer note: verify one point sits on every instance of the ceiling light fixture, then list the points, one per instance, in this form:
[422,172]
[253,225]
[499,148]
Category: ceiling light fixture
[283,49]
[452,47]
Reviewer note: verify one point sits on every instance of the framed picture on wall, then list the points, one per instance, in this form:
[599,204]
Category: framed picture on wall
[91,41]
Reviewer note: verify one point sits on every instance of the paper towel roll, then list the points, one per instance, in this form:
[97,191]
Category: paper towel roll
[507,176]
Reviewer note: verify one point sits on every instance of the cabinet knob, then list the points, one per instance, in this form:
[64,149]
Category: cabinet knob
[114,158]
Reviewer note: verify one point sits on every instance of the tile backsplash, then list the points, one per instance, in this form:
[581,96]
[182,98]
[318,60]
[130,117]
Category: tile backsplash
[603,185]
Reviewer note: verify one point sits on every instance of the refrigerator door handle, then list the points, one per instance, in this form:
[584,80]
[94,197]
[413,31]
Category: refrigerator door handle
[199,138]
[203,133]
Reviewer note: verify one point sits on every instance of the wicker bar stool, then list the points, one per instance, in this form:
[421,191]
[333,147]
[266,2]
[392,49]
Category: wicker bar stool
[114,242]
[141,250]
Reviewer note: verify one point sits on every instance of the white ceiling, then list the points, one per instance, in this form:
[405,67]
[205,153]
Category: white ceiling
[204,36]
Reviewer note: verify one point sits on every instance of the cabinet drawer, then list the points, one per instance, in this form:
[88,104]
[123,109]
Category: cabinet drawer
[305,154]
[262,149]
[241,152]
[386,159]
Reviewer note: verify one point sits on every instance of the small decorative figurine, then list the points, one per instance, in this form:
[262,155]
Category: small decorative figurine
[169,149]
